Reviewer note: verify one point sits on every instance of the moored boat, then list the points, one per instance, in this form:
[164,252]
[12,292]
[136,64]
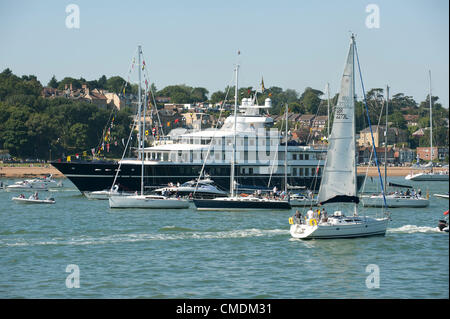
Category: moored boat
[147,201]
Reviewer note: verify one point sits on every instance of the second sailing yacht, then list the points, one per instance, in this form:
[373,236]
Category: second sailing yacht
[116,200]
[235,202]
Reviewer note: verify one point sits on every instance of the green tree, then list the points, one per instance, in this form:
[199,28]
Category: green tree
[398,120]
[53,83]
[310,100]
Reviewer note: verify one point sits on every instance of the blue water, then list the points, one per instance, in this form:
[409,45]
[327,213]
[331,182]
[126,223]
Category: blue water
[134,253]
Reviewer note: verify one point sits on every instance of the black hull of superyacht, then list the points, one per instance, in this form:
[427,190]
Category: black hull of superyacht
[90,176]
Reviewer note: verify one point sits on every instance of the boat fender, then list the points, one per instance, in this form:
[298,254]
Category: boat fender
[291,221]
[313,221]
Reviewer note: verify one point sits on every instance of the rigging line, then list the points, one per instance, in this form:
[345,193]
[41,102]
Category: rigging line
[310,130]
[370,126]
[371,152]
[123,155]
[153,98]
[113,109]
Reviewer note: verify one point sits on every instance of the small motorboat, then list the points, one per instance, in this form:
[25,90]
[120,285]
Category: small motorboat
[441,195]
[443,223]
[202,188]
[106,193]
[33,199]
[27,186]
[302,200]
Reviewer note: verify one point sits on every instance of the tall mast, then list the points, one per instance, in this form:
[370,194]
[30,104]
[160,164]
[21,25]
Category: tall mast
[328,111]
[140,149]
[385,138]
[354,123]
[285,151]
[235,122]
[431,124]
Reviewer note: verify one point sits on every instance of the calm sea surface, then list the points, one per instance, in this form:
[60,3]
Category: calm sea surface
[132,253]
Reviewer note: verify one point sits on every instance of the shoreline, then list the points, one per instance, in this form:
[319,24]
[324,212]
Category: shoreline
[42,170]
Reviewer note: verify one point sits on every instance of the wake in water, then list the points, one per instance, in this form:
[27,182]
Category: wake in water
[175,233]
[411,229]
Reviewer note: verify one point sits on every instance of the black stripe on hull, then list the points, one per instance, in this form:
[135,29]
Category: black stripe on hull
[382,233]
[240,205]
[94,176]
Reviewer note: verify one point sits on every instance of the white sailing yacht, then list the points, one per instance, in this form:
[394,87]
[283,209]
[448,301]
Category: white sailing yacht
[117,200]
[235,202]
[429,176]
[339,177]
[395,199]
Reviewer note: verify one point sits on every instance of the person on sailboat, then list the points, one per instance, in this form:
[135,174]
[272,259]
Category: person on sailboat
[324,215]
[310,214]
[298,217]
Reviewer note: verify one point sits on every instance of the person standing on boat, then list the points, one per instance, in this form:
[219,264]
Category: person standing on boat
[324,215]
[298,217]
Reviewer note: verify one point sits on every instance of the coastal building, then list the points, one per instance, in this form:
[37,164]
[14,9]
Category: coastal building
[394,136]
[411,120]
[439,153]
[115,100]
[306,120]
[419,133]
[319,122]
[405,155]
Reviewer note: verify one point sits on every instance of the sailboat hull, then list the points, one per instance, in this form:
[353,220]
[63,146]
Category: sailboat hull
[138,201]
[367,227]
[393,202]
[240,204]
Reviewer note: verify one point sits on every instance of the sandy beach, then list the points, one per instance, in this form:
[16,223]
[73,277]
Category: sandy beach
[29,171]
[38,171]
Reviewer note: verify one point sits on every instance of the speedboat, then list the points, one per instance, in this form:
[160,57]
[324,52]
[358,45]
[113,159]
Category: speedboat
[106,193]
[33,200]
[302,200]
[203,188]
[27,186]
[441,195]
[147,201]
[443,223]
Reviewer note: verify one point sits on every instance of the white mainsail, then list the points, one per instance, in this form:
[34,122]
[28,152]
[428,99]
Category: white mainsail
[339,175]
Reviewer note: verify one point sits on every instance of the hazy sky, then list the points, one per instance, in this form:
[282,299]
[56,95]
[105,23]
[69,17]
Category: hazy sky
[292,44]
